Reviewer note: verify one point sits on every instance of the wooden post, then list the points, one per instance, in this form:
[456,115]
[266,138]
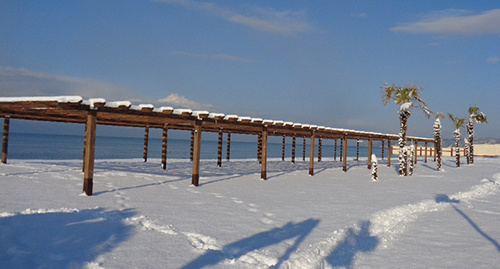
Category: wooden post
[357,150]
[228,150]
[416,155]
[311,154]
[343,151]
[84,146]
[433,152]
[320,148]
[370,151]
[341,155]
[164,144]
[383,148]
[146,141]
[196,153]
[304,149]
[88,160]
[425,151]
[283,150]
[389,152]
[191,152]
[293,148]
[263,173]
[5,139]
[335,150]
[259,148]
[219,149]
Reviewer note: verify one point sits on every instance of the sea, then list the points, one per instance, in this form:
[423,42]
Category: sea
[70,147]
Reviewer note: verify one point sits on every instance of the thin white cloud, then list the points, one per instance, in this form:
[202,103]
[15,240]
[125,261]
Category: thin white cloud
[362,15]
[214,57]
[494,60]
[286,23]
[23,82]
[455,22]
[179,101]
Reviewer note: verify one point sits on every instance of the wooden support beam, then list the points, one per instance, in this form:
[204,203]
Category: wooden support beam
[191,152]
[259,148]
[263,173]
[389,152]
[196,153]
[383,148]
[283,149]
[335,150]
[343,152]
[228,150]
[370,151]
[5,139]
[219,149]
[425,152]
[415,154]
[293,148]
[357,150]
[88,160]
[311,154]
[341,155]
[320,148]
[304,149]
[146,142]
[164,144]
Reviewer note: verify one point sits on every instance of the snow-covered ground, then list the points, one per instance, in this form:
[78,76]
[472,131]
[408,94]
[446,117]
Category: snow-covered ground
[144,217]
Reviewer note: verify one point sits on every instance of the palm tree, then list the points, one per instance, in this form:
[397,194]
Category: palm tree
[438,140]
[474,116]
[406,97]
[459,123]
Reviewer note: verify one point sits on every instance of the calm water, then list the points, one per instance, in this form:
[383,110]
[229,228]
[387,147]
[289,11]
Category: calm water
[62,147]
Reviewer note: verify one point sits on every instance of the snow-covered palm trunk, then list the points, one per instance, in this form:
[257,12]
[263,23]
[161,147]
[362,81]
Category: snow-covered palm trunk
[437,143]
[470,131]
[404,114]
[457,146]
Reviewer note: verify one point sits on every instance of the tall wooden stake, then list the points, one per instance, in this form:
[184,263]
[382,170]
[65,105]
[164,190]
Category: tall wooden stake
[191,152]
[293,148]
[259,148]
[311,154]
[88,160]
[304,149]
[343,152]
[196,153]
[335,150]
[389,152]
[357,150]
[425,152]
[164,144]
[219,149]
[383,148]
[146,141]
[370,151]
[320,149]
[263,173]
[228,150]
[416,155]
[5,139]
[283,149]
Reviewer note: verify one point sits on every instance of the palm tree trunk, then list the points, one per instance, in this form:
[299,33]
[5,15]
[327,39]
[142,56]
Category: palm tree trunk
[403,118]
[470,131]
[457,146]
[437,143]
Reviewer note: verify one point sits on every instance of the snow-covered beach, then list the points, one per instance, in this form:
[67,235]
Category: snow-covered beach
[144,217]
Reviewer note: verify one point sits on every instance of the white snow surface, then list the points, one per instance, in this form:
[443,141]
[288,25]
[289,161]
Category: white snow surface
[142,216]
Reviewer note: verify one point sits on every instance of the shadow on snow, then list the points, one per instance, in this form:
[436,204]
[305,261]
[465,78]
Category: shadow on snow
[60,239]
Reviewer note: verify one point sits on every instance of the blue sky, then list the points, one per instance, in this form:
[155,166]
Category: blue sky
[314,62]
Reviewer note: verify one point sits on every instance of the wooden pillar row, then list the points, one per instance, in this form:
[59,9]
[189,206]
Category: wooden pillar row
[311,154]
[343,152]
[263,173]
[164,144]
[219,149]
[228,150]
[88,160]
[146,142]
[5,139]
[196,153]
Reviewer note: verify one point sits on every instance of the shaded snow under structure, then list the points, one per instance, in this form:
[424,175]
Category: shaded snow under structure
[91,112]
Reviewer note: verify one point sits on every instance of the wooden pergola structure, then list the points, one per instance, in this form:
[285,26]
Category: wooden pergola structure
[73,109]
